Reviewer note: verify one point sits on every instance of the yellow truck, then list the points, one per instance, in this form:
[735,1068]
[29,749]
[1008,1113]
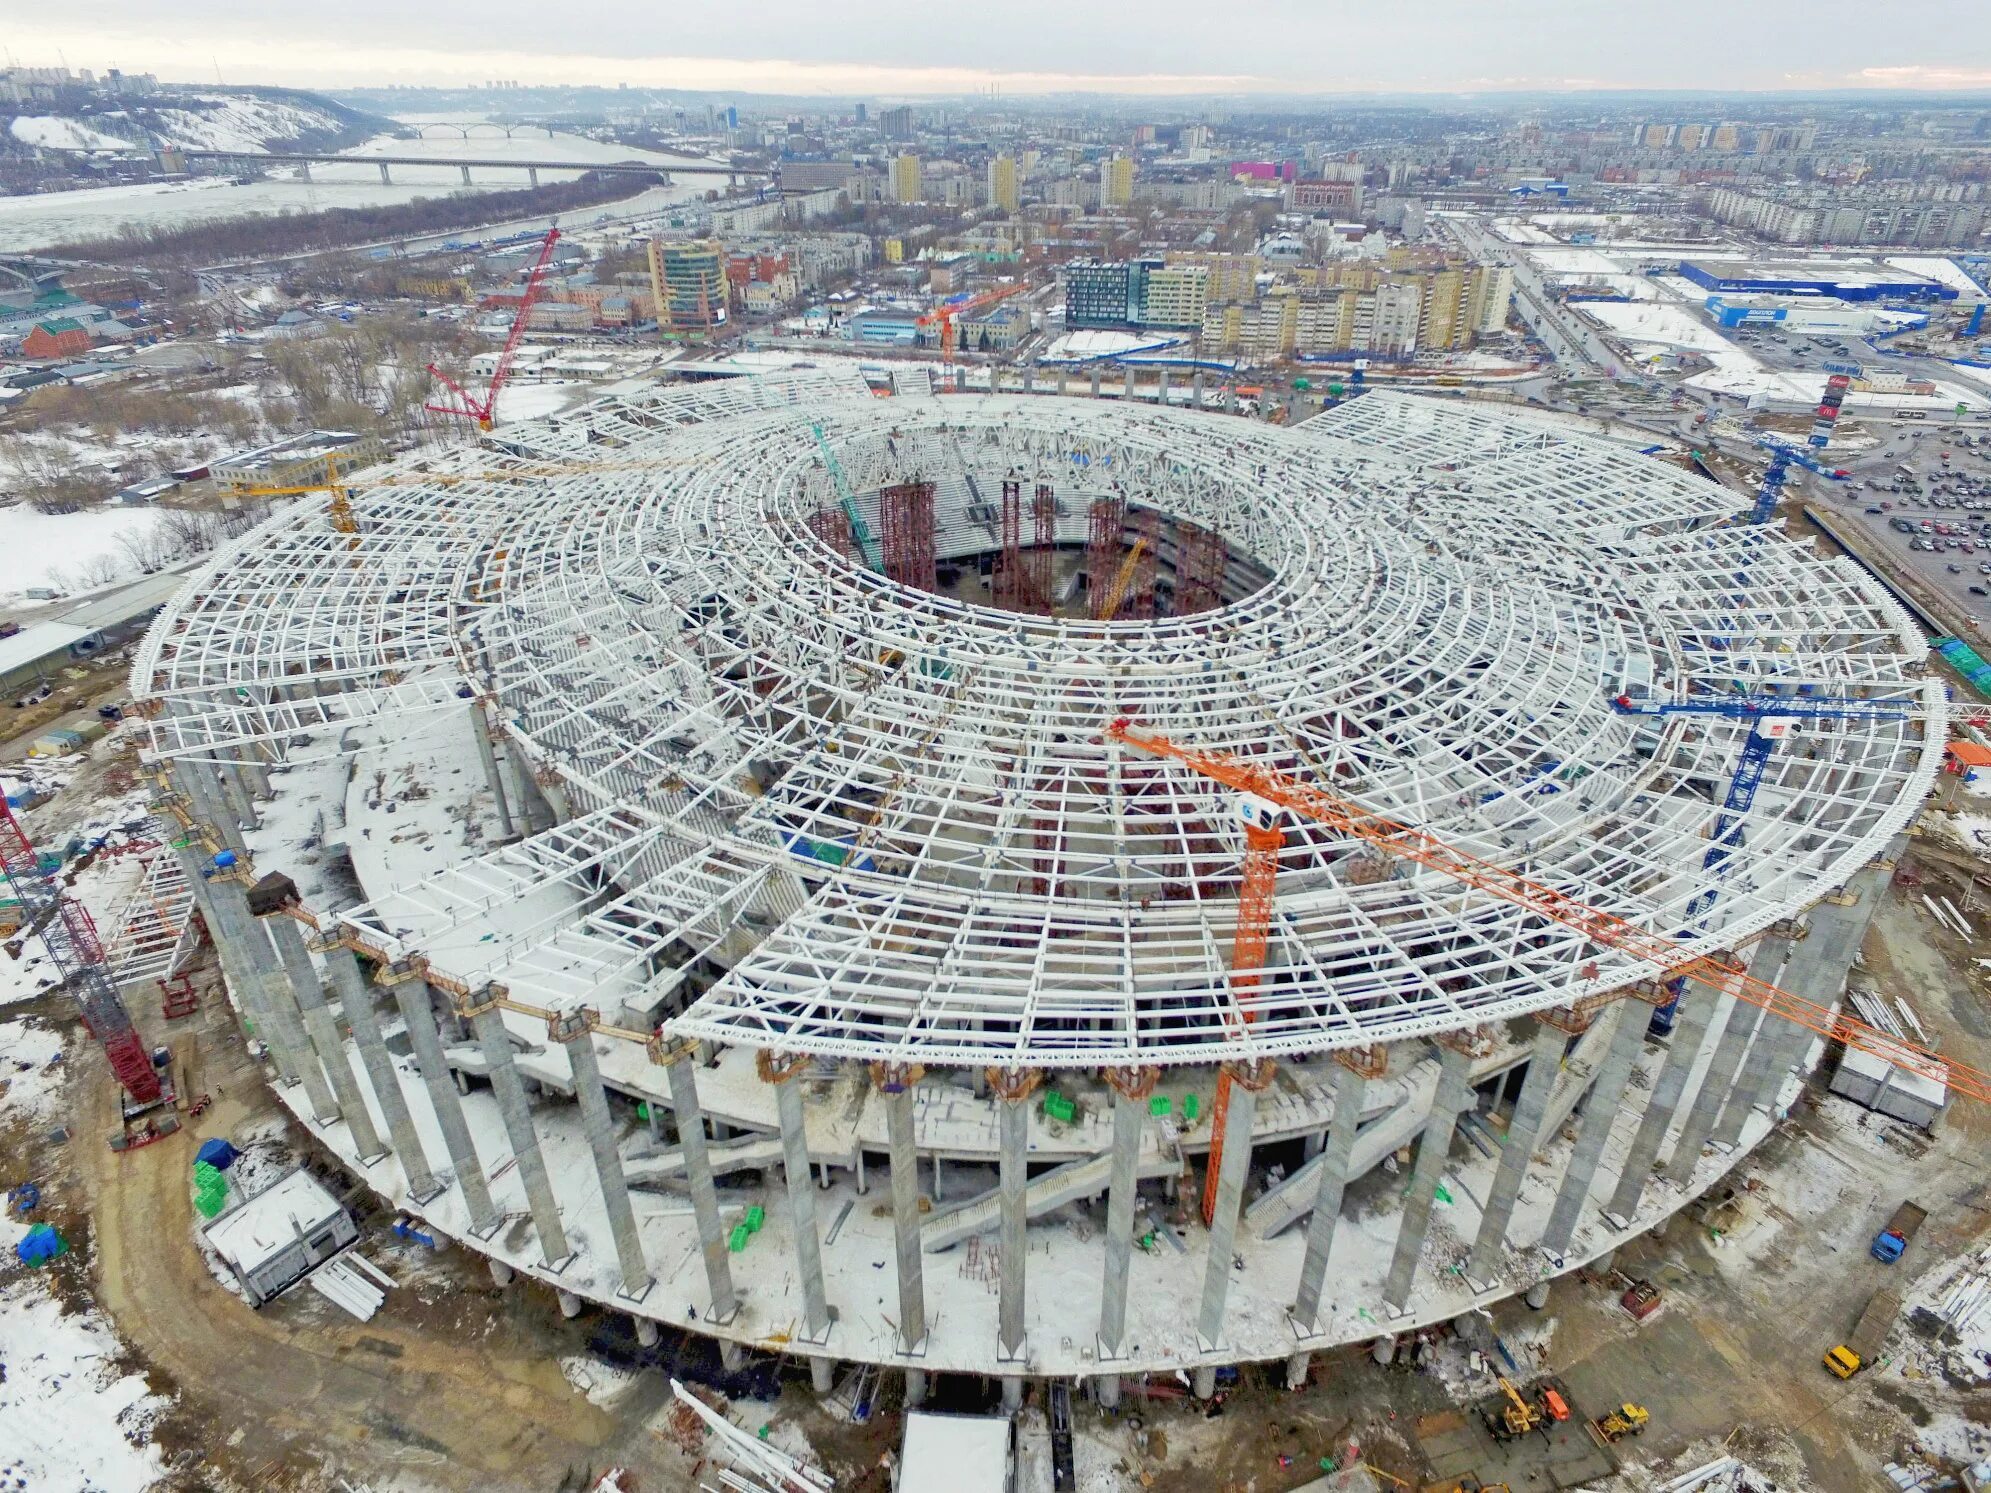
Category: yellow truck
[1863,1345]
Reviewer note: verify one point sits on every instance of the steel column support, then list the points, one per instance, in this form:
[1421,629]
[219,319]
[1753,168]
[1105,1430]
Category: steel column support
[480,725]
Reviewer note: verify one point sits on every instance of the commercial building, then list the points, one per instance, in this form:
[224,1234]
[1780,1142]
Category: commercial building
[1002,185]
[688,284]
[959,1009]
[1864,281]
[295,461]
[907,185]
[1147,292]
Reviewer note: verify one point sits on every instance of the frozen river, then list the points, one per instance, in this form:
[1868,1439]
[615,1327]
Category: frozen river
[62,217]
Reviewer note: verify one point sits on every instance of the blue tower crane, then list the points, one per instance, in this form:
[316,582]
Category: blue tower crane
[1770,718]
[1783,456]
[860,532]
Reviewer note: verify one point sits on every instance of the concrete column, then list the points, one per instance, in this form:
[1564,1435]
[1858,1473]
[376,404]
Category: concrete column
[237,797]
[1696,1011]
[599,1127]
[1095,380]
[1130,380]
[1600,1109]
[255,781]
[466,175]
[385,180]
[412,996]
[501,1273]
[304,171]
[1524,1133]
[1223,1221]
[822,1375]
[1013,1173]
[704,1194]
[480,726]
[232,949]
[905,1217]
[1761,1073]
[269,996]
[648,1333]
[1129,1117]
[570,1304]
[489,1025]
[532,176]
[324,1034]
[1451,1097]
[1029,378]
[802,1208]
[1196,390]
[1161,388]
[1350,1089]
[1736,1022]
[356,1005]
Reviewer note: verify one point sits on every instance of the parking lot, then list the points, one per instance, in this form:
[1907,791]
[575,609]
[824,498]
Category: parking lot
[1931,515]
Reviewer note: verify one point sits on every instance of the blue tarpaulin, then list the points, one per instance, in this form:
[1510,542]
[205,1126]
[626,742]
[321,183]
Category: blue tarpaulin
[217,1153]
[40,1245]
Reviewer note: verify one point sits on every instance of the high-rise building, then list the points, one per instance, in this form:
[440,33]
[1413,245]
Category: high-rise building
[1116,182]
[688,281]
[906,184]
[896,124]
[862,113]
[1002,184]
[1176,297]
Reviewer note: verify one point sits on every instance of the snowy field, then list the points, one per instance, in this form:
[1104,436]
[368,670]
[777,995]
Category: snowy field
[71,1419]
[43,549]
[53,132]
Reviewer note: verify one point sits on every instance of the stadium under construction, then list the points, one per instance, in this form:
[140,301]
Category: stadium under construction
[719,853]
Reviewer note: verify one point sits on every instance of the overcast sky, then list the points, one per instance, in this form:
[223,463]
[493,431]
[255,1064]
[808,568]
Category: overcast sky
[888,47]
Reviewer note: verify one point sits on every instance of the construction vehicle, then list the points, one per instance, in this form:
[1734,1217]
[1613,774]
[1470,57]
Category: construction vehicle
[484,409]
[1891,1242]
[1864,1343]
[70,937]
[1627,1420]
[1514,1418]
[1641,1300]
[1263,788]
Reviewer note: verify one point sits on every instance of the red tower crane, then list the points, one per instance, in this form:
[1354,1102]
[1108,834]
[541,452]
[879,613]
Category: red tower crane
[946,314]
[470,406]
[65,928]
[1265,787]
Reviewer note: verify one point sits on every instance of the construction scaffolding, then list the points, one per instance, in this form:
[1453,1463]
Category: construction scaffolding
[1199,569]
[906,514]
[1010,584]
[1105,520]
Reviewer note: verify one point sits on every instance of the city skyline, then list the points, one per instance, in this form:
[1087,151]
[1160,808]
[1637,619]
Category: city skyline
[1425,46]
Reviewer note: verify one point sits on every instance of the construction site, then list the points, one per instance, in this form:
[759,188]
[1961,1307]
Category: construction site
[1022,899]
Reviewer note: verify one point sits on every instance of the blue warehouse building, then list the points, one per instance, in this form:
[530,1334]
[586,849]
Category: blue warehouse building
[1874,282]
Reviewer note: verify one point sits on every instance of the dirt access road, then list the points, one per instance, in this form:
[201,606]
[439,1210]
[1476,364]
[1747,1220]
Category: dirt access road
[465,1394]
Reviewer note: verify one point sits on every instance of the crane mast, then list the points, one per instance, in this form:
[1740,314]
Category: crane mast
[70,937]
[483,410]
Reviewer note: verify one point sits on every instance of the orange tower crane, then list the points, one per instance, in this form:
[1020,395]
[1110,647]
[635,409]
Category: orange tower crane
[946,314]
[1269,786]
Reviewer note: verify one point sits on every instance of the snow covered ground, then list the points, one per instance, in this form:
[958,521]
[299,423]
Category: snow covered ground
[71,1418]
[43,549]
[54,132]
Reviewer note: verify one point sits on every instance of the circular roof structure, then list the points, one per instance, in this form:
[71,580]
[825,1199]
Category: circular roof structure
[819,704]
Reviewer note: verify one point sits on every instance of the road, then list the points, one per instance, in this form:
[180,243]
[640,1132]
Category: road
[466,1393]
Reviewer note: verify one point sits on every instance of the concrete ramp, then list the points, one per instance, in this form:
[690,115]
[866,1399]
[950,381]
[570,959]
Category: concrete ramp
[1052,1189]
[753,1152]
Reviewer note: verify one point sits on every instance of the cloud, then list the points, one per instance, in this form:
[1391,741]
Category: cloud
[1922,75]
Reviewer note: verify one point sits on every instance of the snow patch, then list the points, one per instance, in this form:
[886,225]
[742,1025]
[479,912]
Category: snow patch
[55,132]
